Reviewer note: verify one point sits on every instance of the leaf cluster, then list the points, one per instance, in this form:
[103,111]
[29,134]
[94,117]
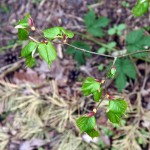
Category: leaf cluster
[45,48]
[117,29]
[95,25]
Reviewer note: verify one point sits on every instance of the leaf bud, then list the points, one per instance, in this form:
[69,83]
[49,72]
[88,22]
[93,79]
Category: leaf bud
[90,114]
[113,70]
[30,22]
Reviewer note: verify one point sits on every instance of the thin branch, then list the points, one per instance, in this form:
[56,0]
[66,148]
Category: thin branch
[33,39]
[109,56]
[95,53]
[81,49]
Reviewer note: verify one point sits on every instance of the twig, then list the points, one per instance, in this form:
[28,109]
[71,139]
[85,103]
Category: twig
[109,56]
[95,53]
[33,39]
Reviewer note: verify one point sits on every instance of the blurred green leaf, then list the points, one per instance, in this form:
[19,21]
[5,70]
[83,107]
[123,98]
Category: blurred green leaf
[101,22]
[111,31]
[94,26]
[141,7]
[121,26]
[124,67]
[101,67]
[89,18]
[136,40]
[102,50]
[97,32]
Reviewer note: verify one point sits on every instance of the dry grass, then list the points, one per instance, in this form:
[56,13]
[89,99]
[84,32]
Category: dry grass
[52,118]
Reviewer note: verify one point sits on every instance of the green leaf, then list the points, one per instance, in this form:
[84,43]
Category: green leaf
[97,95]
[111,31]
[90,86]
[125,68]
[68,33]
[28,49]
[121,27]
[121,82]
[101,22]
[24,21]
[23,34]
[94,26]
[141,7]
[101,67]
[114,117]
[111,45]
[52,33]
[136,40]
[86,123]
[47,52]
[102,50]
[97,32]
[79,56]
[30,61]
[118,106]
[93,133]
[89,18]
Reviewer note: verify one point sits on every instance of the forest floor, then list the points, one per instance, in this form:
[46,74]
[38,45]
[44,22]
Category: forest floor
[39,105]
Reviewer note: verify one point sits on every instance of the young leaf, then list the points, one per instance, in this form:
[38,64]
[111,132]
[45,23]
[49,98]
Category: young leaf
[86,123]
[93,133]
[114,117]
[97,95]
[124,67]
[30,61]
[141,7]
[23,34]
[24,21]
[68,33]
[111,31]
[28,49]
[121,26]
[47,52]
[111,45]
[51,33]
[102,50]
[79,56]
[90,86]
[118,106]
